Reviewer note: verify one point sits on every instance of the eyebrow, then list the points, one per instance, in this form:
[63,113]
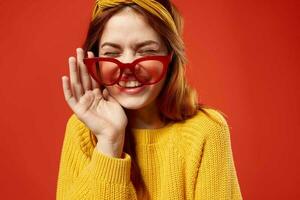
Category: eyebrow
[138,45]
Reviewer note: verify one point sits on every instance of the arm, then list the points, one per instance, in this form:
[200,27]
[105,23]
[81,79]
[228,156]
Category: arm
[86,176]
[217,178]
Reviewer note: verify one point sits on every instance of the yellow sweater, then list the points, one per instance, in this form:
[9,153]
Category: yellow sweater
[191,159]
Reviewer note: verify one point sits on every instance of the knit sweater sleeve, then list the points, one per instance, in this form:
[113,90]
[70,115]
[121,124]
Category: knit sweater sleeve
[217,177]
[85,173]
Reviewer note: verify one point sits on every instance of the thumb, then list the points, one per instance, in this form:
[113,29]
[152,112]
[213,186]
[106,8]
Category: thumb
[107,96]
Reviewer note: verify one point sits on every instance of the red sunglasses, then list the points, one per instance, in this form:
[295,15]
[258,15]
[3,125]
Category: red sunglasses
[147,70]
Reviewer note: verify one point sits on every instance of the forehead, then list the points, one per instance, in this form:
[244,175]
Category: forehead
[128,26]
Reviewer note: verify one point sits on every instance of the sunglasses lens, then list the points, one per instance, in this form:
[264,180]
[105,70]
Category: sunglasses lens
[109,72]
[105,72]
[149,71]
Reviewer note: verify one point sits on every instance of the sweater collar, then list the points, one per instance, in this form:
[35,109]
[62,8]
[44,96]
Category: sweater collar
[155,136]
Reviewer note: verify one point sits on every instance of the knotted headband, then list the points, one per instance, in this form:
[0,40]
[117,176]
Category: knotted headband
[151,6]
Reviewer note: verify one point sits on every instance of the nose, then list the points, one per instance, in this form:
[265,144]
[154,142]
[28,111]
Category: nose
[127,57]
[127,74]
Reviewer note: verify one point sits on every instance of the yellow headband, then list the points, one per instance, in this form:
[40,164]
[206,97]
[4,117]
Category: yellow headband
[151,6]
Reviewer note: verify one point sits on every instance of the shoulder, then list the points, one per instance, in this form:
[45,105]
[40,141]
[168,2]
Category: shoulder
[205,127]
[205,122]
[214,116]
[79,135]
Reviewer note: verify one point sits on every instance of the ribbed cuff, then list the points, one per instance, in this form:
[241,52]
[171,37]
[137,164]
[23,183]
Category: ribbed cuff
[110,169]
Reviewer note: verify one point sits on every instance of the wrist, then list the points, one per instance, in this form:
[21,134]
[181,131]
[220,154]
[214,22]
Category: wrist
[110,149]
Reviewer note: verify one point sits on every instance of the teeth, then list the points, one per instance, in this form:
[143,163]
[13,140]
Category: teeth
[130,84]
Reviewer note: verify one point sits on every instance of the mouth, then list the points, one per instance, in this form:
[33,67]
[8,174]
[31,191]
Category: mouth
[130,84]
[131,87]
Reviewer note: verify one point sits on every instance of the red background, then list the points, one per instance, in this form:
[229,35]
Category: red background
[244,60]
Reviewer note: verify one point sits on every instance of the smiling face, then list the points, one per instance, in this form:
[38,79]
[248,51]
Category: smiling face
[126,37]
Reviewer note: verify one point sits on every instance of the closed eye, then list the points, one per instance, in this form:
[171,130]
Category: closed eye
[150,51]
[110,53]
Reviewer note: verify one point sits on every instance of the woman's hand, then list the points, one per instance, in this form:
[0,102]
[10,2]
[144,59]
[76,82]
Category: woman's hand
[101,113]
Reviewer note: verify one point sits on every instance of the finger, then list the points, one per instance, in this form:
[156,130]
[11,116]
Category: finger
[97,92]
[68,93]
[94,83]
[84,75]
[105,94]
[75,81]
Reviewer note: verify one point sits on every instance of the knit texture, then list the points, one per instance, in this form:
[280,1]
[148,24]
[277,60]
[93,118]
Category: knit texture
[189,160]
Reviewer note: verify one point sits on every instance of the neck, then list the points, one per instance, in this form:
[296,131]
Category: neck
[145,118]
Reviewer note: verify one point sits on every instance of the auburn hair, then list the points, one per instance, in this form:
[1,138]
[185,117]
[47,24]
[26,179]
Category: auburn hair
[177,100]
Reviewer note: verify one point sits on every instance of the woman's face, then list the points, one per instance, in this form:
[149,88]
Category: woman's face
[126,37]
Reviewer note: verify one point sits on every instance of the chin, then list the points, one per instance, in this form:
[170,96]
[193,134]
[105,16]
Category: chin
[133,103]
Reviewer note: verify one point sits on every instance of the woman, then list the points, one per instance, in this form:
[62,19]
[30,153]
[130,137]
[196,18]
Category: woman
[137,131]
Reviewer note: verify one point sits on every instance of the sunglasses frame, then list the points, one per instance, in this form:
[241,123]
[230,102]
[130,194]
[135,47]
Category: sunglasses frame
[165,59]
